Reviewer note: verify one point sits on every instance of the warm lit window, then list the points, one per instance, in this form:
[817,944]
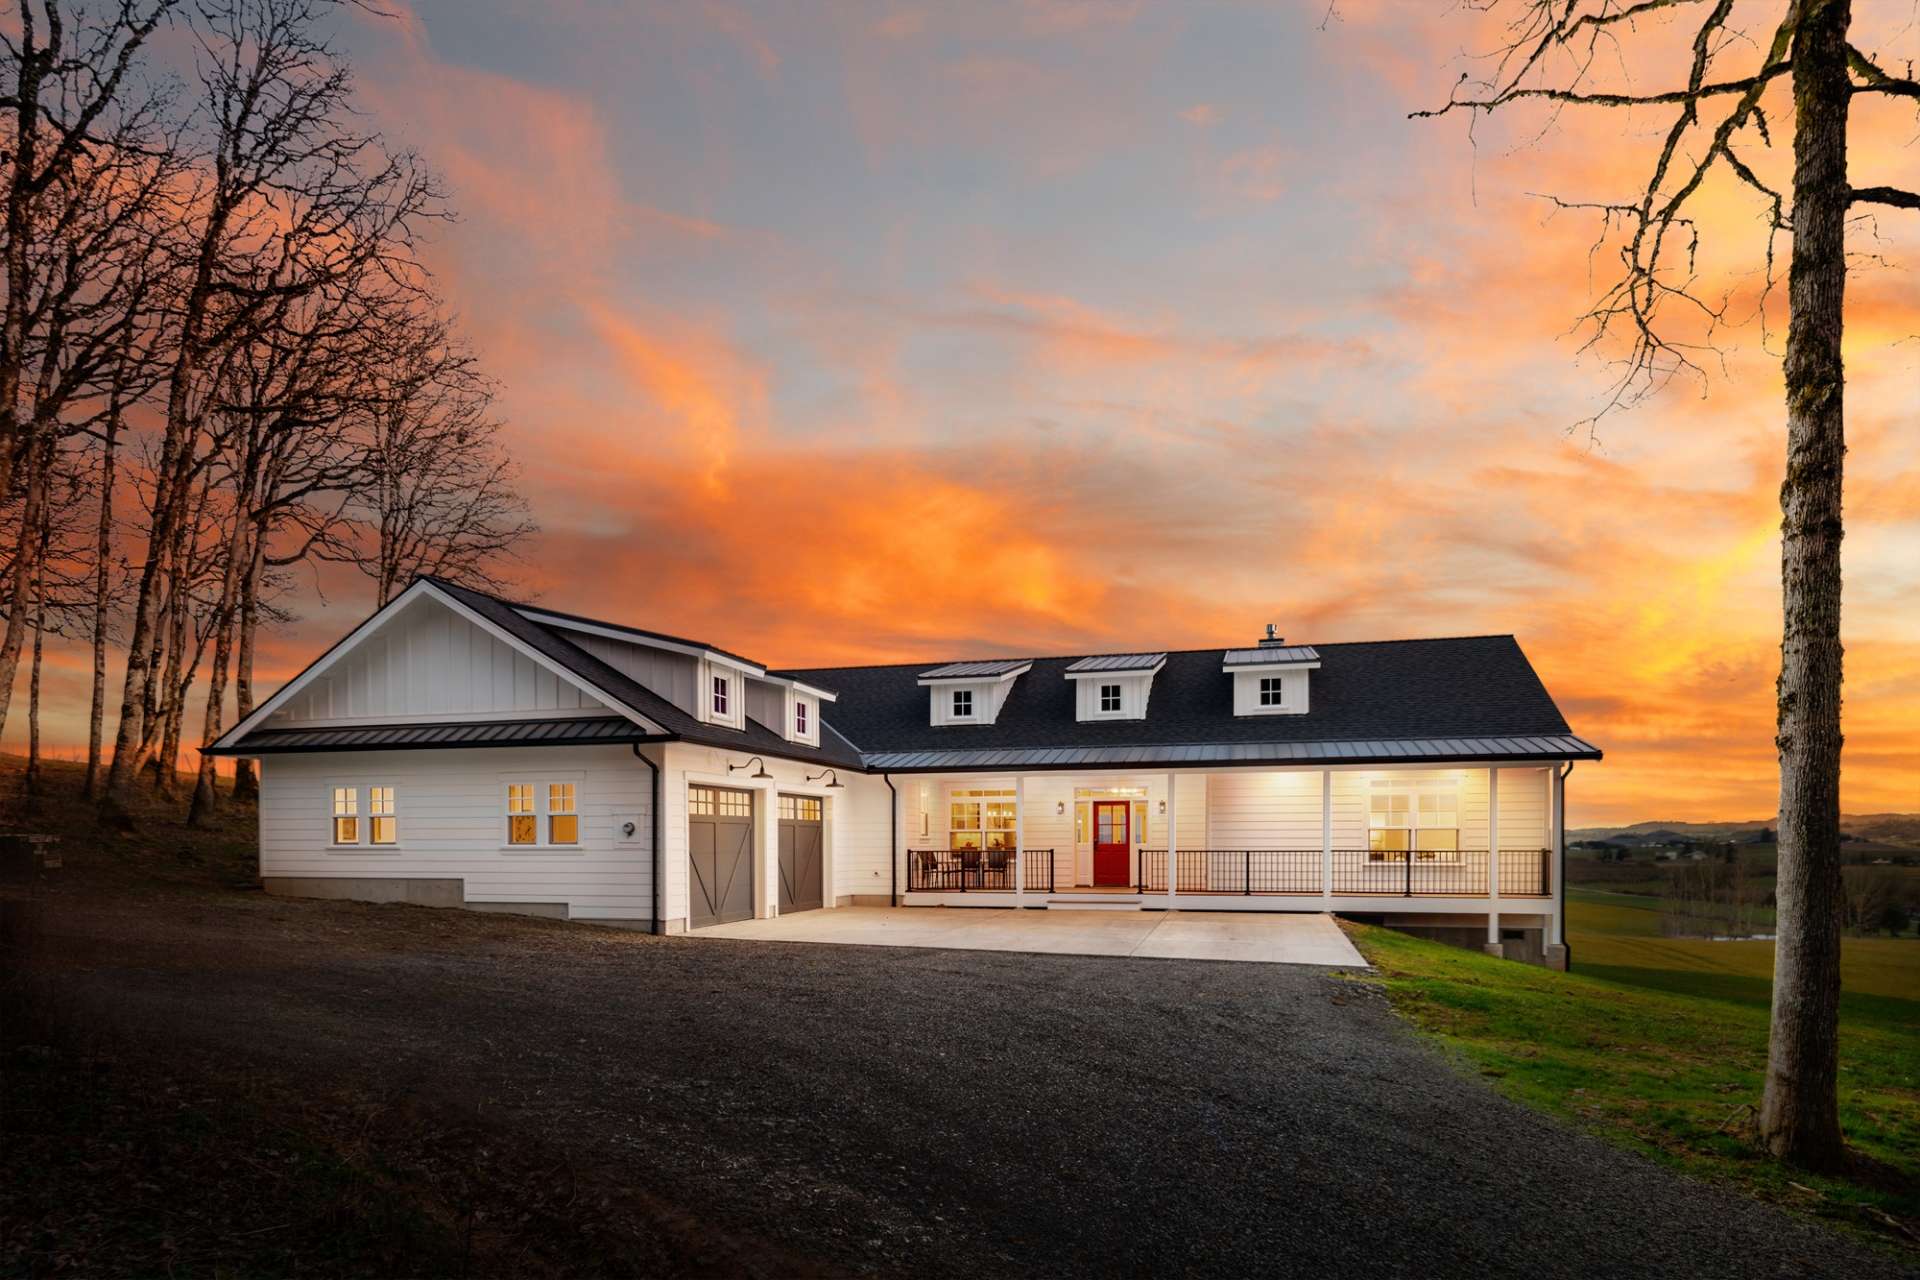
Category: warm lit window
[523,825]
[1426,822]
[963,704]
[800,719]
[346,815]
[1273,691]
[382,823]
[563,818]
[1109,697]
[722,691]
[800,808]
[981,820]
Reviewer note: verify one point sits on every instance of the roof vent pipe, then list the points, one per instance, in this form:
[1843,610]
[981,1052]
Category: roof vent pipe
[1271,640]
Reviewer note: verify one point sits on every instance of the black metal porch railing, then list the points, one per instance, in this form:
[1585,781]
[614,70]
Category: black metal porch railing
[1412,873]
[1525,873]
[1241,871]
[976,870]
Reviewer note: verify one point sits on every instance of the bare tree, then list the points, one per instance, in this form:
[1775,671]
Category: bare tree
[1740,84]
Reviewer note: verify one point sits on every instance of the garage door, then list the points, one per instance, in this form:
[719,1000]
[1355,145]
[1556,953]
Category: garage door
[719,856]
[799,853]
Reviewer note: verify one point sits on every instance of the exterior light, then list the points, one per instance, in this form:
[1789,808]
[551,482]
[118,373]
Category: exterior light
[753,760]
[1059,808]
[826,773]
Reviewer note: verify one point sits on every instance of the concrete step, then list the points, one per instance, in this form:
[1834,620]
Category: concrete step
[1105,902]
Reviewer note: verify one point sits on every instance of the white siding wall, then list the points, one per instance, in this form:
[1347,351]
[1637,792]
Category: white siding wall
[451,808]
[427,662]
[1265,811]
[1524,809]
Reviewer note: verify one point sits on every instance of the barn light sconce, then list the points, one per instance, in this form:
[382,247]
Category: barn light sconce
[826,773]
[755,760]
[1059,808]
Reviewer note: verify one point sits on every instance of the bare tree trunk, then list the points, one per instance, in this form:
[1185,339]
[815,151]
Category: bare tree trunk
[33,682]
[205,794]
[246,782]
[102,581]
[1799,1117]
[33,516]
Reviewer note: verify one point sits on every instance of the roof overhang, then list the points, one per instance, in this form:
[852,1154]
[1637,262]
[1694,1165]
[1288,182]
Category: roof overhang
[442,735]
[1510,749]
[1115,673]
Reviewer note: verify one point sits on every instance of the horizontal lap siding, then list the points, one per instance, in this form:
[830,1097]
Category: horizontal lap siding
[1523,809]
[862,816]
[1265,811]
[451,809]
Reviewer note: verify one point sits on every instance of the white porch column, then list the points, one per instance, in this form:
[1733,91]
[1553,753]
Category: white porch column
[1557,832]
[1493,861]
[1326,834]
[897,874]
[1173,840]
[1019,841]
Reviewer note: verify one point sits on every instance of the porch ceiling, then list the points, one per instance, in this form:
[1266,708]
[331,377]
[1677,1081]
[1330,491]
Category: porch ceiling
[1372,751]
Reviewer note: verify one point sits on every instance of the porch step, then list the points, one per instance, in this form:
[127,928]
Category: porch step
[1102,902]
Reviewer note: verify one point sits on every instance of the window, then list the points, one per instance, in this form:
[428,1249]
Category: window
[800,808]
[346,815]
[523,827]
[981,820]
[722,699]
[1273,691]
[1423,821]
[963,704]
[382,824]
[563,818]
[1109,697]
[799,719]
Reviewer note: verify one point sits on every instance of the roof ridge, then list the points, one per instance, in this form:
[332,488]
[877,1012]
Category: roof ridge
[1116,653]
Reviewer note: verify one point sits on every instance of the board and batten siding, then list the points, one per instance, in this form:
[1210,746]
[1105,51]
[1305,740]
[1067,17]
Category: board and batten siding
[428,662]
[451,807]
[674,676]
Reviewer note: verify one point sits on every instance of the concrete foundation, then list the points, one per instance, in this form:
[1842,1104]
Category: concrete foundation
[418,892]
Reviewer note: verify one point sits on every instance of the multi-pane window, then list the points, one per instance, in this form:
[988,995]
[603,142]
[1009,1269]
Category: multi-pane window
[982,820]
[563,815]
[800,719]
[523,825]
[346,815]
[709,802]
[1273,691]
[963,704]
[1425,822]
[382,821]
[800,808]
[722,695]
[1109,697]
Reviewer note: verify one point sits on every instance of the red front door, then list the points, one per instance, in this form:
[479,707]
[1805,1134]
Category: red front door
[1110,842]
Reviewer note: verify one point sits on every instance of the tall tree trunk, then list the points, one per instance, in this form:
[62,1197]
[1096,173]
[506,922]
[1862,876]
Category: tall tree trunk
[30,69]
[205,794]
[1799,1117]
[33,682]
[102,582]
[246,782]
[33,516]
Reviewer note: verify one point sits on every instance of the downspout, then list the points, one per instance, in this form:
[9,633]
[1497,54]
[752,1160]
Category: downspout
[893,842]
[659,863]
[1560,839]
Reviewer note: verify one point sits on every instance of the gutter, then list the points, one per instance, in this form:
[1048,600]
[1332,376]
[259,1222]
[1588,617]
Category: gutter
[659,862]
[893,842]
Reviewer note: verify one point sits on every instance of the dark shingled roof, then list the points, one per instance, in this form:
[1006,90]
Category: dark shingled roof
[1471,687]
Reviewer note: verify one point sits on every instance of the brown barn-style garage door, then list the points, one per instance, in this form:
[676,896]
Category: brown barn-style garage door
[719,856]
[800,831]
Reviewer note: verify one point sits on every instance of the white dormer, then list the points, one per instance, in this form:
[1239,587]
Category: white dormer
[1114,686]
[965,693]
[789,707]
[1271,678]
[722,691]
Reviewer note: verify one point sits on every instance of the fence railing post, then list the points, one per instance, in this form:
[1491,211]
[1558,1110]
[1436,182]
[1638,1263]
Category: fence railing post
[1409,889]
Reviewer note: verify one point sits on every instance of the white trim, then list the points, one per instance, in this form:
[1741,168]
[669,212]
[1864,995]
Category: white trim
[1243,668]
[540,780]
[353,639]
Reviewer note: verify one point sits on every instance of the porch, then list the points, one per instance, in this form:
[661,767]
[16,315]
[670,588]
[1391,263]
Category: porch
[1479,842]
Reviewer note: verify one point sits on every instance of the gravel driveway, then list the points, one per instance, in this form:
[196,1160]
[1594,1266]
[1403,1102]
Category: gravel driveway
[941,1113]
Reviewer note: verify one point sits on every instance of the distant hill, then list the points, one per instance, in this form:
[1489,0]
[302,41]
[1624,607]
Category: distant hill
[1881,828]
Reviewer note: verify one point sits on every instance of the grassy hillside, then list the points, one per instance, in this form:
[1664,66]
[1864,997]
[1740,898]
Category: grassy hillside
[1660,1044]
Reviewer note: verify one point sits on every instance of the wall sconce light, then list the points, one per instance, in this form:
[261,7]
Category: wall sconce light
[1059,808]
[755,760]
[826,773]
[1163,808]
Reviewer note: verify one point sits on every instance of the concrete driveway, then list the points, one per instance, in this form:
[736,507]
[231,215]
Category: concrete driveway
[1260,938]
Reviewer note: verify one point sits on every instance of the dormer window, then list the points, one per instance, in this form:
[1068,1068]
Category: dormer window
[799,719]
[1114,686]
[1110,697]
[722,697]
[1273,691]
[963,704]
[971,692]
[1271,679]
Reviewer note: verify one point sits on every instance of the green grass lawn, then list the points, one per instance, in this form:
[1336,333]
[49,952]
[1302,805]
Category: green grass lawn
[1660,1044]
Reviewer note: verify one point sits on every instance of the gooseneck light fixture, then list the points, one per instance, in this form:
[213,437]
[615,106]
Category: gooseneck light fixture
[755,760]
[826,773]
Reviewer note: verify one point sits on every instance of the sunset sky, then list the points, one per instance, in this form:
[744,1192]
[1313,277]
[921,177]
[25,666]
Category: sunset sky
[846,332]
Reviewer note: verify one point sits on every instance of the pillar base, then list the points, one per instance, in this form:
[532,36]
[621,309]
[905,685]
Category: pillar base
[1495,949]
[1554,956]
